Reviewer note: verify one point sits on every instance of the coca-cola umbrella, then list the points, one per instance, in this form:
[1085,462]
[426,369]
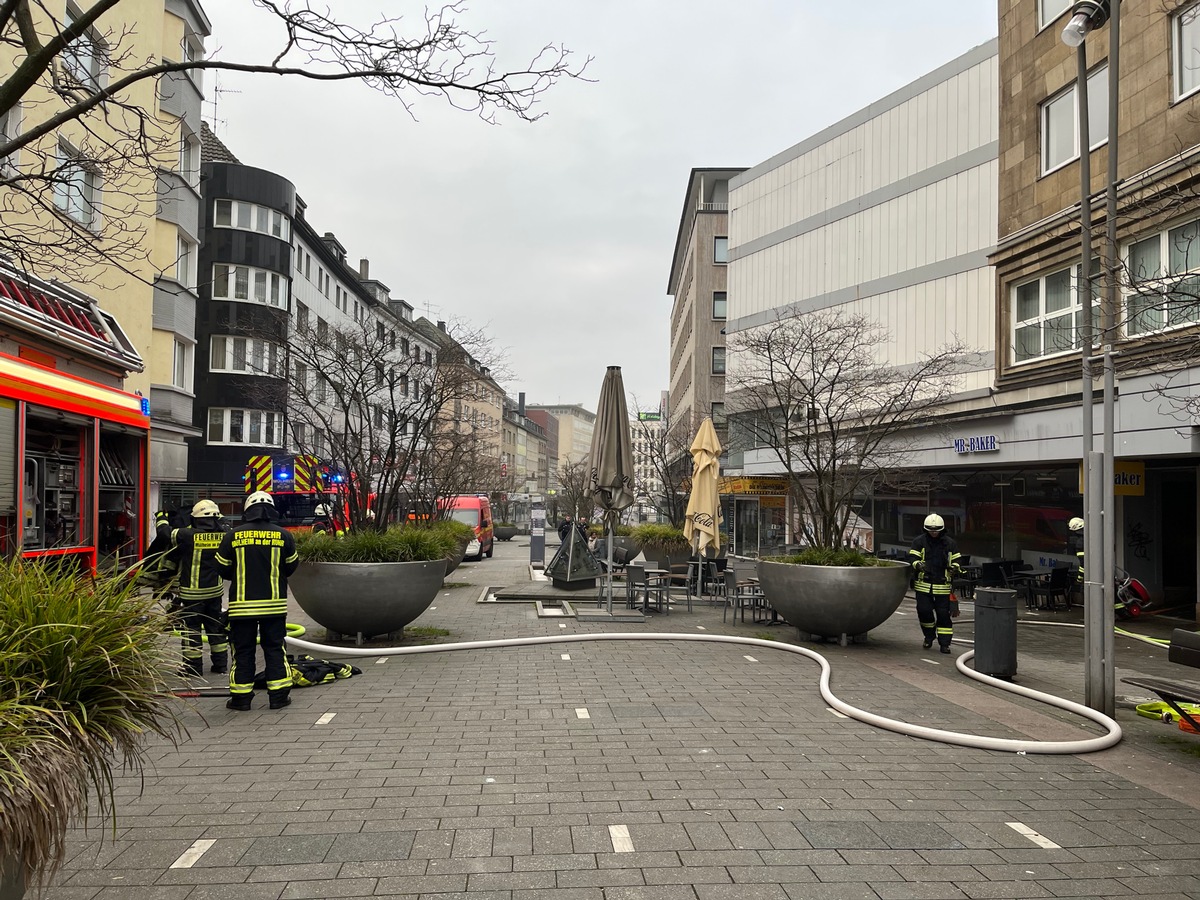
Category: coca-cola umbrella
[610,479]
[702,525]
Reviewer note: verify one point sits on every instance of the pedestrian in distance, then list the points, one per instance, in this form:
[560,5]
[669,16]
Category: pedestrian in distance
[934,557]
[564,529]
[193,550]
[257,557]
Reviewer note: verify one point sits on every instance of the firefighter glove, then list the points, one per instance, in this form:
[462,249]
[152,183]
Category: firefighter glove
[954,611]
[919,565]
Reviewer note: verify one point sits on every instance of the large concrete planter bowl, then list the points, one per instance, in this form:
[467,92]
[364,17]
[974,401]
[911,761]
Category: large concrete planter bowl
[834,601]
[366,599]
[506,532]
[457,557]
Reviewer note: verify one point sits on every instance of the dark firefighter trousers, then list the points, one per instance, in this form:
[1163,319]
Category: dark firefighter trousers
[198,616]
[245,632]
[933,612]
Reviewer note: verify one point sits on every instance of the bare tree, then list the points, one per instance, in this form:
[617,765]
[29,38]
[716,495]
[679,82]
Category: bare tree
[573,479]
[77,78]
[389,421]
[664,445]
[812,389]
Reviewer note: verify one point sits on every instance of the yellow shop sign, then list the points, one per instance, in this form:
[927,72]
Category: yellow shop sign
[751,485]
[1129,478]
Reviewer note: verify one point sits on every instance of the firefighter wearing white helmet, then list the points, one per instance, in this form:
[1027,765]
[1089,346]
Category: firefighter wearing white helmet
[1075,544]
[257,557]
[193,549]
[323,521]
[935,559]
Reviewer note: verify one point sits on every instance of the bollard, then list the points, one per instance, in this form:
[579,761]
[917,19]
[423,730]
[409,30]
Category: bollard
[996,632]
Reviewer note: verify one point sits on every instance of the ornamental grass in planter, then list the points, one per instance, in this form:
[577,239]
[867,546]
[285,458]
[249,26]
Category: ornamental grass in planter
[658,542]
[372,582]
[82,662]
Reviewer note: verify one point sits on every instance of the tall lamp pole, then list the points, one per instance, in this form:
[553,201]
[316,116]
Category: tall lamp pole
[1100,527]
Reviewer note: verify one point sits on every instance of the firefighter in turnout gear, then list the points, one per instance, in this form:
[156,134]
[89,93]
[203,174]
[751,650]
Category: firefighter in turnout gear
[193,549]
[935,559]
[323,522]
[1075,544]
[257,557]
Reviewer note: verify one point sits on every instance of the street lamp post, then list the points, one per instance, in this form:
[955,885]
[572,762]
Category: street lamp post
[1100,513]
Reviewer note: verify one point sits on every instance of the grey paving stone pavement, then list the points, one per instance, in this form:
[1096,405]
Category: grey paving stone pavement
[654,770]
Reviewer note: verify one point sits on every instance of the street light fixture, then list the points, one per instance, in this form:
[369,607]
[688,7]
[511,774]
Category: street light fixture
[1099,515]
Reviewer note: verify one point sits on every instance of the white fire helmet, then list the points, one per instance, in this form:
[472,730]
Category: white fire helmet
[1076,524]
[259,497]
[933,522]
[206,509]
[321,510]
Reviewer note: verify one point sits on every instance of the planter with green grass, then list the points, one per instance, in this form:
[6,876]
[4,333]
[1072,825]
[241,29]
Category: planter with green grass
[460,534]
[839,594]
[505,531]
[658,542]
[371,583]
[82,663]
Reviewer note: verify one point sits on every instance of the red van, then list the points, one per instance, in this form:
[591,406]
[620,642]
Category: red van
[475,511]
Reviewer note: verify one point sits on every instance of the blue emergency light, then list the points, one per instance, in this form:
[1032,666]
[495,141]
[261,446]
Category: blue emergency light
[145,406]
[283,475]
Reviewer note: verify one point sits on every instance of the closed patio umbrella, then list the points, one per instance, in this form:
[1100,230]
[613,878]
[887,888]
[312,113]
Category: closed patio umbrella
[703,515]
[610,481]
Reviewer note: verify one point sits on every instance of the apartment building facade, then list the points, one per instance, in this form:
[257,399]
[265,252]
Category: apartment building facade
[1154,325]
[698,287]
[575,427]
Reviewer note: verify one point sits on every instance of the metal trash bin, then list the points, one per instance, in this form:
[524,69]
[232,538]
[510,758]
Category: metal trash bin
[996,632]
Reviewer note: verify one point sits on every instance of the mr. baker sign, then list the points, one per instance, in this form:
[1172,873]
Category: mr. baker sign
[977,443]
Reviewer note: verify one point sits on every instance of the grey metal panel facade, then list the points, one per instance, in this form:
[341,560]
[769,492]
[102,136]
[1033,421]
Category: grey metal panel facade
[178,203]
[174,308]
[170,405]
[178,95]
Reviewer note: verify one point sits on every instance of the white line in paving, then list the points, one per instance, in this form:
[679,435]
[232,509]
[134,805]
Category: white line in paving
[562,624]
[750,658]
[192,854]
[433,607]
[836,713]
[701,628]
[1044,842]
[326,719]
[381,660]
[932,662]
[582,713]
[621,841]
[566,656]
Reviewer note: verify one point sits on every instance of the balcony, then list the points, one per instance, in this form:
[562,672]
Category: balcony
[712,207]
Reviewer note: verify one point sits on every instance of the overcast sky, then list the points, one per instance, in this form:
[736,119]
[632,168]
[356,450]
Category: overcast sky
[557,235]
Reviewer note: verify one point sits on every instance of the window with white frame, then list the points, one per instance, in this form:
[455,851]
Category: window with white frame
[245,426]
[1185,50]
[250,285]
[719,304]
[189,156]
[1048,313]
[1049,10]
[181,365]
[83,58]
[254,356]
[10,127]
[76,187]
[1164,280]
[1060,121]
[718,360]
[185,262]
[720,250]
[252,217]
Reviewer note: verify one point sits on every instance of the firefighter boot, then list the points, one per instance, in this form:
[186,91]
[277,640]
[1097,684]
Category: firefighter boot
[279,699]
[220,663]
[239,702]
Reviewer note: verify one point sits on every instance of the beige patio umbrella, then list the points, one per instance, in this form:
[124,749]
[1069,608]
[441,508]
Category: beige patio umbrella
[610,482]
[703,518]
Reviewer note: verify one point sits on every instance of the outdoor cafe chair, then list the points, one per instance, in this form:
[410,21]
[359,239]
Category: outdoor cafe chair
[680,576]
[1056,585]
[654,589]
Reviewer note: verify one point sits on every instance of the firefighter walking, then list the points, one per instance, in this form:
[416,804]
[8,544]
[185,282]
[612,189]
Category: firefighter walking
[193,549]
[935,559]
[257,557]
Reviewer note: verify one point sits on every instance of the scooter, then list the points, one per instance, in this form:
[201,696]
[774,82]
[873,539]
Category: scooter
[1132,596]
